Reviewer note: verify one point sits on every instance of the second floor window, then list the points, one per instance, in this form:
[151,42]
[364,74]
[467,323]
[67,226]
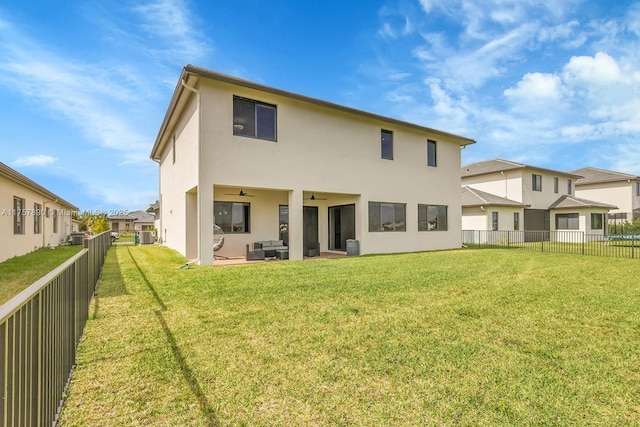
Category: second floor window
[555,185]
[386,144]
[254,119]
[536,182]
[431,153]
[569,187]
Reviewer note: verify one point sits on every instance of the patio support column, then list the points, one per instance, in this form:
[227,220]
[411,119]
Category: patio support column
[296,242]
[205,224]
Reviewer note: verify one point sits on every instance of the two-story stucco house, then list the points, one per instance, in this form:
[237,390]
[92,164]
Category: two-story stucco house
[548,196]
[615,188]
[31,216]
[264,163]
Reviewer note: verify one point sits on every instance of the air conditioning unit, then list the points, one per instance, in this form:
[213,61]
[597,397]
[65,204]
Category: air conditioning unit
[147,238]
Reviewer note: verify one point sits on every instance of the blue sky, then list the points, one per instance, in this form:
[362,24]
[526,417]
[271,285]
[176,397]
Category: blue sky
[84,85]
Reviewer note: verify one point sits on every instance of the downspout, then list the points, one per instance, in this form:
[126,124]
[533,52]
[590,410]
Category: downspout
[183,81]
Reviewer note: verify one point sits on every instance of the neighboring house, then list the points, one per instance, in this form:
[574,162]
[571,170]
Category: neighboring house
[31,216]
[615,188]
[154,209]
[549,196]
[486,211]
[132,221]
[271,164]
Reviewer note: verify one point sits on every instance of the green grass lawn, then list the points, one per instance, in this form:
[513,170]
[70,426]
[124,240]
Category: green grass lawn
[465,337]
[18,273]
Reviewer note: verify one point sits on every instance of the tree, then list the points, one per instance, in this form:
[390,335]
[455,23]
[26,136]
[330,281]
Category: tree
[95,223]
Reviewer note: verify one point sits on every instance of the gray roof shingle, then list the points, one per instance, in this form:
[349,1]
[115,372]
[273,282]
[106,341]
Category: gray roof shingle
[499,165]
[571,202]
[596,176]
[473,197]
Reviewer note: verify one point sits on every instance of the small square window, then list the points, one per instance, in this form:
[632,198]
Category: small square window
[254,119]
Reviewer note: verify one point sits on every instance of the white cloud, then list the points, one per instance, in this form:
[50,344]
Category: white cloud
[536,86]
[34,160]
[600,69]
[579,132]
[171,22]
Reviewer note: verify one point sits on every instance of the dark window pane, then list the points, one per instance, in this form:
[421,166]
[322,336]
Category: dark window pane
[431,153]
[244,117]
[386,144]
[266,122]
[387,216]
[422,218]
[567,221]
[232,217]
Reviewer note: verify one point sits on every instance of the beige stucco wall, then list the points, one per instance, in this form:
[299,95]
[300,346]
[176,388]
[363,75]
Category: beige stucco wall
[474,219]
[179,178]
[517,185]
[20,244]
[326,150]
[620,194]
[317,149]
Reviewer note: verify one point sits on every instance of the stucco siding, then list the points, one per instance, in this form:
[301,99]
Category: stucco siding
[178,176]
[331,151]
[618,194]
[20,244]
[319,147]
[474,219]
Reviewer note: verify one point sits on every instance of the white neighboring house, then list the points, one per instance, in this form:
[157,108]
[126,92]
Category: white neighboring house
[31,216]
[610,187]
[271,164]
[486,211]
[549,196]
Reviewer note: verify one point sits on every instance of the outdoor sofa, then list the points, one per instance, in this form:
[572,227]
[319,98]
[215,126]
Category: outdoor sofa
[269,247]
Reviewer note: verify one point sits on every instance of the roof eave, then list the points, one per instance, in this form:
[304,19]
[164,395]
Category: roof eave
[204,73]
[34,186]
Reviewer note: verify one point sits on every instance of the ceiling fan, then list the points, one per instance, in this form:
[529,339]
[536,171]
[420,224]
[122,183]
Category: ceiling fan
[241,194]
[313,197]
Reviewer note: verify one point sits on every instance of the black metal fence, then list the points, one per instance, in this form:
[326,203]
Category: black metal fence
[39,331]
[571,242]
